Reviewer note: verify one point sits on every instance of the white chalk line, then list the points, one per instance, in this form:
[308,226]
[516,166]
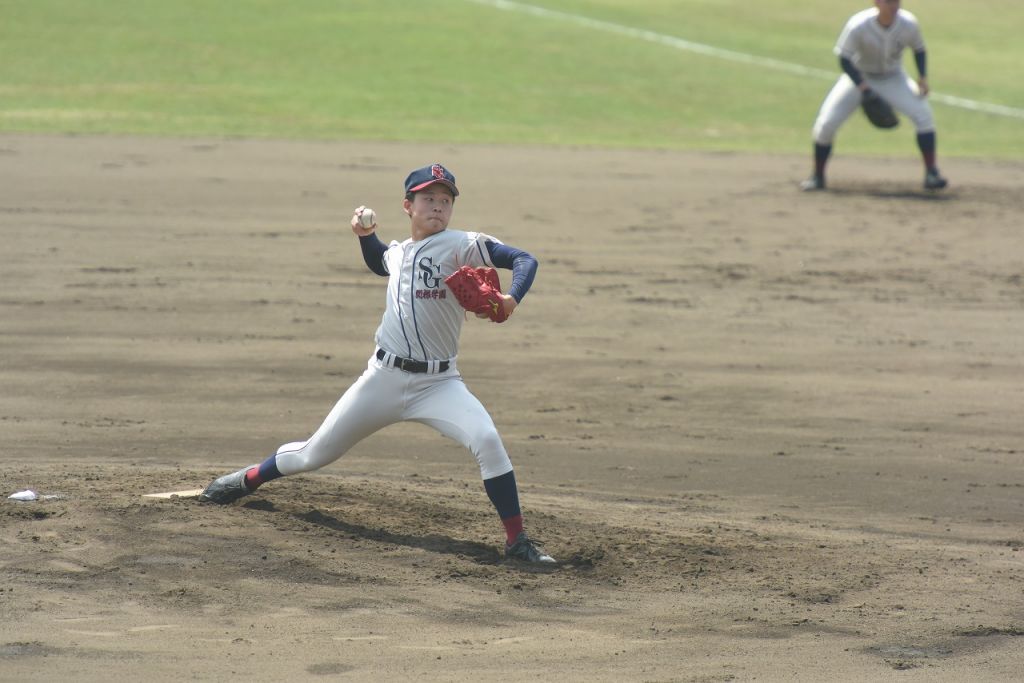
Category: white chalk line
[721,53]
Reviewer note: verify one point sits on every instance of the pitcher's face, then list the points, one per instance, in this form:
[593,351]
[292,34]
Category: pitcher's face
[430,210]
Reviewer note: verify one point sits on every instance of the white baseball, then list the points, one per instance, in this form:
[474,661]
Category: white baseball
[367,218]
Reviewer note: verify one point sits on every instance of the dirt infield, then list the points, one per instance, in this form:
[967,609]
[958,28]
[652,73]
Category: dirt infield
[770,435]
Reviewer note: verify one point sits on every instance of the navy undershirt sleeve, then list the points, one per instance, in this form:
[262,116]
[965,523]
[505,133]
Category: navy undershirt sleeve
[851,71]
[522,264]
[373,253]
[921,59]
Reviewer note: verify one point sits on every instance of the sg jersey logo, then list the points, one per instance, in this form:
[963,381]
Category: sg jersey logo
[430,275]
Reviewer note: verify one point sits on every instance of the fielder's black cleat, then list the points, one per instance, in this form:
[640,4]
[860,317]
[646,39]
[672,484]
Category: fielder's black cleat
[227,489]
[815,182]
[933,180]
[526,550]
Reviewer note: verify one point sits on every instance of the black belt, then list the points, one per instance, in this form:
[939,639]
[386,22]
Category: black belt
[410,365]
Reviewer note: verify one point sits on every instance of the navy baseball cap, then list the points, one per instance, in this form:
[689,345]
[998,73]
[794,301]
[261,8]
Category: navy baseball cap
[428,175]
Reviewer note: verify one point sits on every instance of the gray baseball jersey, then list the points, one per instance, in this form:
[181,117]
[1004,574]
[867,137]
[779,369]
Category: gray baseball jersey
[422,320]
[877,50]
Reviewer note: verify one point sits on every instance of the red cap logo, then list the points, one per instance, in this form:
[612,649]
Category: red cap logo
[437,170]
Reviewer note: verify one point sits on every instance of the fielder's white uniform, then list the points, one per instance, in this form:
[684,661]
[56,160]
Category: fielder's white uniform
[422,322]
[877,52]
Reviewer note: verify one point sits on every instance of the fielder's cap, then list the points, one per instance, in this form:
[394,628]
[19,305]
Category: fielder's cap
[428,175]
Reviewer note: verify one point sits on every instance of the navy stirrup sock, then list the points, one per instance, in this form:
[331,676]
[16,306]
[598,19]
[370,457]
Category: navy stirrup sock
[504,495]
[267,471]
[821,155]
[926,143]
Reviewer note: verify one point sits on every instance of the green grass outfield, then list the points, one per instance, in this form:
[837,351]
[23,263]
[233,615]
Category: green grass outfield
[468,71]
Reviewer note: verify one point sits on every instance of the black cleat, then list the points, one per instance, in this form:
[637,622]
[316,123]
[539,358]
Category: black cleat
[227,489]
[933,180]
[814,183]
[526,550]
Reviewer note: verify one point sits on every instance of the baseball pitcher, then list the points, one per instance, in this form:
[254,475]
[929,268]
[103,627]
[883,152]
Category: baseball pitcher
[412,375]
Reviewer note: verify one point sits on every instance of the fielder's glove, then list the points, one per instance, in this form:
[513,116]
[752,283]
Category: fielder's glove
[879,112]
[479,291]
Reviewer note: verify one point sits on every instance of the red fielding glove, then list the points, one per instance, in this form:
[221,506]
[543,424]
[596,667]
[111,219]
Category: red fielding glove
[478,290]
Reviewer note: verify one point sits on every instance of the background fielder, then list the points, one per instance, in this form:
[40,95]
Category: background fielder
[412,373]
[870,50]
